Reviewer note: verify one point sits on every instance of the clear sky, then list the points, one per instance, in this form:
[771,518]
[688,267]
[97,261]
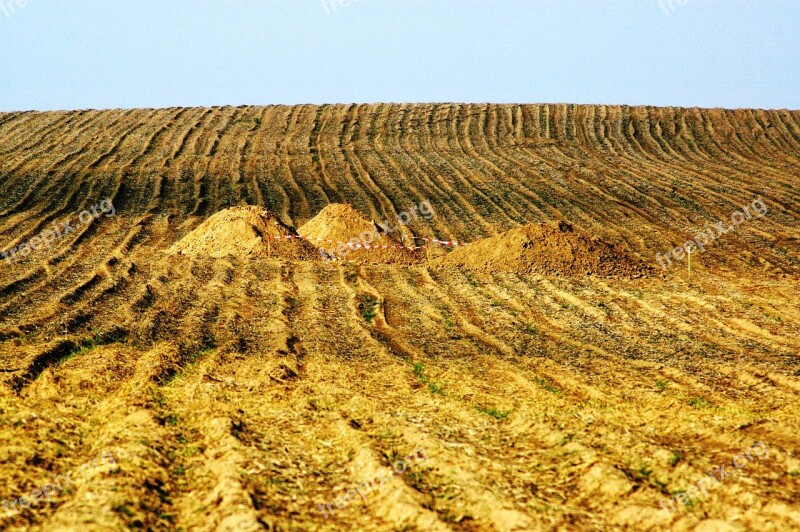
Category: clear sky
[148,53]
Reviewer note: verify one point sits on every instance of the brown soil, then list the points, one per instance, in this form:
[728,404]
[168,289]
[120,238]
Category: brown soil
[246,231]
[548,249]
[342,223]
[240,393]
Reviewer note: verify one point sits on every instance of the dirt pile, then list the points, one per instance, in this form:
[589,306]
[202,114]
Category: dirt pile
[338,225]
[548,249]
[242,232]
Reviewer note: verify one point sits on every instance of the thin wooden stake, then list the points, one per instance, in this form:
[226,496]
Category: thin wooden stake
[690,264]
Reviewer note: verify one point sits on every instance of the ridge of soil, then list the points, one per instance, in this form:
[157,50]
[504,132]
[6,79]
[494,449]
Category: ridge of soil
[555,248]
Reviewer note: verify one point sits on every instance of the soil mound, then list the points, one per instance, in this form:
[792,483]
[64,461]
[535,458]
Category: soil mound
[339,223]
[243,232]
[548,249]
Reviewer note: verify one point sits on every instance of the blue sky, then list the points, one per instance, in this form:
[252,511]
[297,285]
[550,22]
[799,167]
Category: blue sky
[149,53]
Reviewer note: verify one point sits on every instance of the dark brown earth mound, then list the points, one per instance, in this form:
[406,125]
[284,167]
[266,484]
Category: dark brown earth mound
[338,229]
[547,249]
[242,232]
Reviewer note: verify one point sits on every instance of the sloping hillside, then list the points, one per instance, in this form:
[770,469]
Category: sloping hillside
[251,392]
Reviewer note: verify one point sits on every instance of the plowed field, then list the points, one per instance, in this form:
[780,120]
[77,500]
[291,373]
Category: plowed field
[251,391]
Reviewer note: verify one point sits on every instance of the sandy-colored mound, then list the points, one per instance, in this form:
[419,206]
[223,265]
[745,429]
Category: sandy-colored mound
[548,249]
[242,232]
[342,223]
